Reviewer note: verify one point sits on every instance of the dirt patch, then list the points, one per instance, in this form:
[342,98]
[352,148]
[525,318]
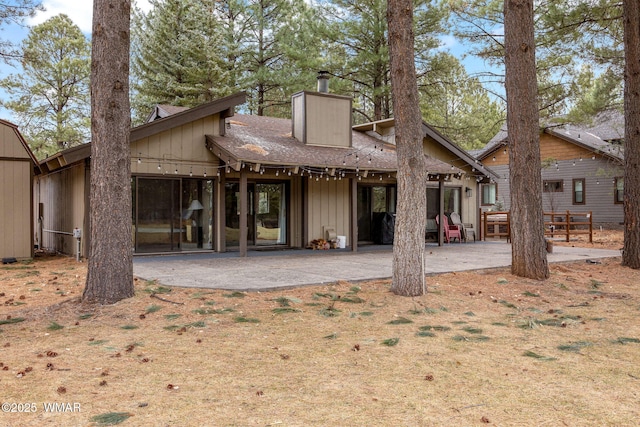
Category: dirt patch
[480,348]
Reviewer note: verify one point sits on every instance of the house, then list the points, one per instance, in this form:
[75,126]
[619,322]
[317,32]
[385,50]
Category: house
[208,179]
[582,169]
[17,169]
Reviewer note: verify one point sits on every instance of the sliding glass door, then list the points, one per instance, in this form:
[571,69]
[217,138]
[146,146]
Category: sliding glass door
[157,223]
[172,214]
[374,205]
[266,214]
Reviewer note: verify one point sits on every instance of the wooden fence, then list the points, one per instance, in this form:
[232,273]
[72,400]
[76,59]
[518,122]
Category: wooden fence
[566,224]
[556,224]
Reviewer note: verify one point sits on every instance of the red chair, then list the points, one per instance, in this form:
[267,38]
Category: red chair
[450,231]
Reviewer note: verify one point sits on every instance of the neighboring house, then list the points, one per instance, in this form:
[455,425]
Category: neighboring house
[582,169]
[17,168]
[206,179]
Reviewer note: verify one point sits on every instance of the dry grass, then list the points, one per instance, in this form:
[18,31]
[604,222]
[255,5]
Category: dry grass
[480,348]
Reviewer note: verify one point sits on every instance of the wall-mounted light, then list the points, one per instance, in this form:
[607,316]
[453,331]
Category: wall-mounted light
[468,191]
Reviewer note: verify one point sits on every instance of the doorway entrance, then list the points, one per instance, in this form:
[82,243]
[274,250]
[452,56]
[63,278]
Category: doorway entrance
[267,215]
[375,204]
[171,214]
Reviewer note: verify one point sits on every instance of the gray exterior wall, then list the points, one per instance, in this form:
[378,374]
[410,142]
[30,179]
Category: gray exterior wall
[599,188]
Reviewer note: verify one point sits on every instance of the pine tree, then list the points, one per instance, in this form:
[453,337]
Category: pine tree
[50,96]
[457,104]
[359,30]
[14,13]
[408,243]
[176,55]
[280,53]
[528,256]
[110,268]
[480,23]
[631,252]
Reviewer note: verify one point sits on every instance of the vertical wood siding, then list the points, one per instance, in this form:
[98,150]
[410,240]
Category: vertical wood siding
[175,149]
[16,238]
[63,197]
[328,205]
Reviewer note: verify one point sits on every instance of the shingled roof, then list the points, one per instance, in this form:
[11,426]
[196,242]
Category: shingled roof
[268,141]
[604,136]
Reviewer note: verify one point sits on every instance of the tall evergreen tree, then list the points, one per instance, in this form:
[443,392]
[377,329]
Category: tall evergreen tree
[359,30]
[594,94]
[408,243]
[631,252]
[15,12]
[110,268]
[481,24]
[457,104]
[50,96]
[189,52]
[177,57]
[528,256]
[280,53]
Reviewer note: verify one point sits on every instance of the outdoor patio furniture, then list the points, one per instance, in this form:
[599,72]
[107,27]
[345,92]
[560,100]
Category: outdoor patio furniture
[450,231]
[467,230]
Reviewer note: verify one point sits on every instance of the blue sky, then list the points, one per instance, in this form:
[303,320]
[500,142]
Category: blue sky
[81,11]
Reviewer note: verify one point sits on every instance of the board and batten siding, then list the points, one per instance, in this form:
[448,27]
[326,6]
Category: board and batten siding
[16,229]
[598,174]
[178,149]
[63,196]
[328,206]
[16,211]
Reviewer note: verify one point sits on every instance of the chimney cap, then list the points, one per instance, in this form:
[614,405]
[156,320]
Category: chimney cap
[323,81]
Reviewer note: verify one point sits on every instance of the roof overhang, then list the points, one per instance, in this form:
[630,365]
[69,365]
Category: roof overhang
[225,106]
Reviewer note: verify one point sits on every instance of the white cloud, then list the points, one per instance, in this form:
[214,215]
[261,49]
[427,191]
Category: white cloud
[80,12]
[447,42]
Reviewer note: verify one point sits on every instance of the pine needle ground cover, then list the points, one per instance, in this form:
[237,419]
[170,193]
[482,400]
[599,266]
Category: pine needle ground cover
[481,348]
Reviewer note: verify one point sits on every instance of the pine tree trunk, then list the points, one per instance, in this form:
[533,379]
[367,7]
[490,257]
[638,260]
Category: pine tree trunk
[529,258]
[631,16]
[408,243]
[110,269]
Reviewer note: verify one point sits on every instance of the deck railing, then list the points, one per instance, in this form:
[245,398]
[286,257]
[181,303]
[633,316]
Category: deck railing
[496,224]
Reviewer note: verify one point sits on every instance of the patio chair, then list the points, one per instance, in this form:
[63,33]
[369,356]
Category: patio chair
[450,231]
[466,230]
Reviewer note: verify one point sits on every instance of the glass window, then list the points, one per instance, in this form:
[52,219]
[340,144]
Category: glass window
[157,224]
[271,221]
[578,191]
[552,186]
[619,190]
[452,199]
[489,192]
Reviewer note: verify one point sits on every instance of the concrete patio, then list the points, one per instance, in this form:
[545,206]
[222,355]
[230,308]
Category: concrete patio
[262,271]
